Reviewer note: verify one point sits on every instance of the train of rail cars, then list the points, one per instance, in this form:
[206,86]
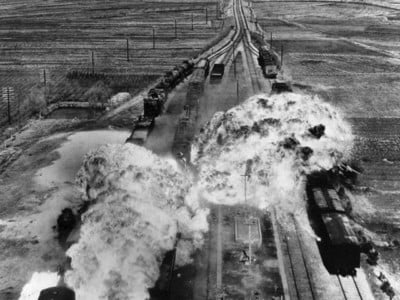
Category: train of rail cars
[196,82]
[157,96]
[339,246]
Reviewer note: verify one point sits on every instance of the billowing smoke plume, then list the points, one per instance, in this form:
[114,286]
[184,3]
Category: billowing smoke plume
[140,201]
[139,207]
[269,139]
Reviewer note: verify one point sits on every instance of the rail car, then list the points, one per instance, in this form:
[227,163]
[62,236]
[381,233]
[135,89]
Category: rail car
[269,62]
[203,64]
[196,82]
[217,73]
[339,246]
[141,130]
[281,86]
[57,293]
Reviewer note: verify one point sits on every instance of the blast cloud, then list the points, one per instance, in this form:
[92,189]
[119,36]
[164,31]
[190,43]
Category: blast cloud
[272,133]
[140,207]
[140,201]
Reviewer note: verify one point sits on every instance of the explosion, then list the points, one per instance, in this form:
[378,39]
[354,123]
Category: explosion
[274,141]
[139,207]
[140,202]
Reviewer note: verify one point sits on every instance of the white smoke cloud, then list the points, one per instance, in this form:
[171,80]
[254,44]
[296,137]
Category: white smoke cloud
[254,133]
[141,201]
[38,282]
[139,209]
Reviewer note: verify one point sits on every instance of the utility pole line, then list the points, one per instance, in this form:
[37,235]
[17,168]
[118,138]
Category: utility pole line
[206,15]
[281,55]
[192,22]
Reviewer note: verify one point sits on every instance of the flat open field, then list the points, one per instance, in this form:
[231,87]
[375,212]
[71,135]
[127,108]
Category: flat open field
[55,37]
[349,54]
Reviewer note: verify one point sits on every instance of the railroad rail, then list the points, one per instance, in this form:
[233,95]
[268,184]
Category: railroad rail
[249,48]
[304,273]
[241,36]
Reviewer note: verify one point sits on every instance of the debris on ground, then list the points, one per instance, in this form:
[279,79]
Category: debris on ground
[386,287]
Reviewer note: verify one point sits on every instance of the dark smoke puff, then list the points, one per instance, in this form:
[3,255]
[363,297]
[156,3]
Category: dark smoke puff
[305,152]
[317,131]
[264,103]
[290,143]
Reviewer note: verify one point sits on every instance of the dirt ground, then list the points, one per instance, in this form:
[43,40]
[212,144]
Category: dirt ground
[348,53]
[44,41]
[27,240]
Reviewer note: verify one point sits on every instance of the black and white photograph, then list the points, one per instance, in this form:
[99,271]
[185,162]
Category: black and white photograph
[200,150]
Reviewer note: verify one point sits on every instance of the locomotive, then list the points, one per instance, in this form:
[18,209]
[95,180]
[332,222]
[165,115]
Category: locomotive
[156,97]
[340,247]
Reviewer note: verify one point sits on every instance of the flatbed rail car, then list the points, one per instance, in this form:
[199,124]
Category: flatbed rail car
[141,130]
[339,246]
[268,62]
[280,86]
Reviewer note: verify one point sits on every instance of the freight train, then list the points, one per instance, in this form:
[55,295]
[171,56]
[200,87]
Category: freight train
[156,97]
[340,247]
[185,130]
[153,103]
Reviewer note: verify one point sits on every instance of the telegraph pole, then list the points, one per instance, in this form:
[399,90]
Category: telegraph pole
[249,221]
[176,33]
[8,105]
[250,240]
[44,78]
[192,22]
[206,15]
[154,38]
[270,42]
[281,55]
[92,62]
[234,67]
[127,50]
[237,100]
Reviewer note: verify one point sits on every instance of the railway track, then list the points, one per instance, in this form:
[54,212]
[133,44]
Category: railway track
[248,48]
[305,274]
[240,37]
